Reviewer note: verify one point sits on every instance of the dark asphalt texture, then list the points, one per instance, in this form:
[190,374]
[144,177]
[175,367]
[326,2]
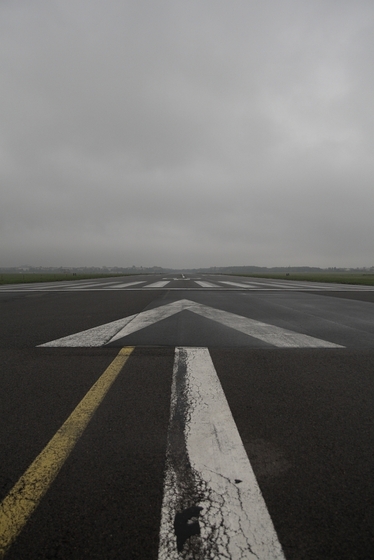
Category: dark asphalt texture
[305,417]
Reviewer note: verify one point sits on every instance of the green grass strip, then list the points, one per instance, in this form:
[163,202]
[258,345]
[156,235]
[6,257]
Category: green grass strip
[30,277]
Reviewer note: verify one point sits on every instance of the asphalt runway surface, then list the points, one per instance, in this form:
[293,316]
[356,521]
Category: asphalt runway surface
[296,365]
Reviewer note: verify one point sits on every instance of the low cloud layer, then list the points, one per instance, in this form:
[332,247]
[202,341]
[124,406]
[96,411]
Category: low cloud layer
[186,134]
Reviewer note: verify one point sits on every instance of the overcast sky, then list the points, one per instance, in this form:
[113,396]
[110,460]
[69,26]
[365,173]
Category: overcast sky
[187,133]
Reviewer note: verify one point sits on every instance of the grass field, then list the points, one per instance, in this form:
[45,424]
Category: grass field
[21,278]
[335,277]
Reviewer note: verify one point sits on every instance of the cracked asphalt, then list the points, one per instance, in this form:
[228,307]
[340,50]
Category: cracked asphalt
[305,417]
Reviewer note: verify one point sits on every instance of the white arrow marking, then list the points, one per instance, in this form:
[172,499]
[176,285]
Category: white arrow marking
[148,318]
[276,336]
[212,505]
[98,336]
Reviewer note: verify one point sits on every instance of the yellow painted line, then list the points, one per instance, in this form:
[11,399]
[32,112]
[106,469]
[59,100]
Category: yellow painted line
[25,496]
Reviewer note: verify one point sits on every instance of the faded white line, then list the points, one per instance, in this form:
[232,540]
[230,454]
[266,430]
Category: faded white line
[315,286]
[284,286]
[272,284]
[90,285]
[83,285]
[125,285]
[159,284]
[212,505]
[255,285]
[206,284]
[236,284]
[34,286]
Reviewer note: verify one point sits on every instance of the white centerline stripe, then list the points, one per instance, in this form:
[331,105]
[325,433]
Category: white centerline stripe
[212,505]
[159,284]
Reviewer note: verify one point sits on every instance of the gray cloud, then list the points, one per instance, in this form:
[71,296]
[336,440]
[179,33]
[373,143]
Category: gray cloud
[186,133]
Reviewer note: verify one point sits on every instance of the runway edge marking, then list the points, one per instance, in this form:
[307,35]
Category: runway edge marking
[24,497]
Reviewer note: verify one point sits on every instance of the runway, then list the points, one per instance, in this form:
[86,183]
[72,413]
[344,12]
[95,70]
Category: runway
[181,281]
[294,363]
